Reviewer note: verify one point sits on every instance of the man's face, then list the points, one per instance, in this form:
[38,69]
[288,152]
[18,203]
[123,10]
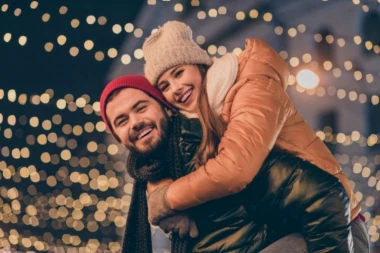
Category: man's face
[138,120]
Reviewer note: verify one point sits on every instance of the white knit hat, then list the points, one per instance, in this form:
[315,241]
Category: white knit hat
[171,45]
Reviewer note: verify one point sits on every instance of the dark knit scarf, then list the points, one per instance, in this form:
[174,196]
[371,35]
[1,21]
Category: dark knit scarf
[137,238]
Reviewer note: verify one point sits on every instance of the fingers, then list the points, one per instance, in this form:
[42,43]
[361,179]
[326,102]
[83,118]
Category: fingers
[184,227]
[166,225]
[181,225]
[193,229]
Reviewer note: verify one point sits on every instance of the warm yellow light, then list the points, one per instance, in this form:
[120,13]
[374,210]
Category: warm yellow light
[284,55]
[4,8]
[375,100]
[318,37]
[17,12]
[34,5]
[237,51]
[46,17]
[357,40]
[201,15]
[112,52]
[253,13]
[278,30]
[306,58]
[307,79]
[212,49]
[240,15]
[301,28]
[268,17]
[22,40]
[88,44]
[368,45]
[292,32]
[116,28]
[138,33]
[178,7]
[90,20]
[102,20]
[294,61]
[330,39]
[348,65]
[341,42]
[369,78]
[61,40]
[222,10]
[138,53]
[7,37]
[74,51]
[75,23]
[222,50]
[128,27]
[213,13]
[99,56]
[63,10]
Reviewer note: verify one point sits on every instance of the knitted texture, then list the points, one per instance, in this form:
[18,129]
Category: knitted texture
[171,45]
[137,236]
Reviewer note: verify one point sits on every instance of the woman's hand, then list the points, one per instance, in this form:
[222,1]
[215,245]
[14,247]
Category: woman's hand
[181,224]
[154,185]
[158,206]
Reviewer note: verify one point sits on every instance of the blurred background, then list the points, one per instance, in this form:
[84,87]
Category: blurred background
[63,186]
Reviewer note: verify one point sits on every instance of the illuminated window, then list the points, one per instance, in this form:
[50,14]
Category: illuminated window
[328,124]
[324,46]
[370,31]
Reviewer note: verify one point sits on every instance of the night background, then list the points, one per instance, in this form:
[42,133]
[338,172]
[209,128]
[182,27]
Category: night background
[63,186]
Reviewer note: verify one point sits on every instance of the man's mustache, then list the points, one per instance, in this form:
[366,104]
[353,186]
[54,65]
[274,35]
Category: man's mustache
[136,130]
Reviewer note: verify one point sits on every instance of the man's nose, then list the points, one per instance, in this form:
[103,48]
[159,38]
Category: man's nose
[136,122]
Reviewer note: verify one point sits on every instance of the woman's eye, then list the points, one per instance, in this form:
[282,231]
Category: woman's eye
[164,87]
[178,74]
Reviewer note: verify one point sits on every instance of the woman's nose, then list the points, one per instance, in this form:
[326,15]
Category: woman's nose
[177,88]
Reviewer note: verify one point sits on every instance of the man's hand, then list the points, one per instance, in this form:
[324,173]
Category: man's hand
[158,207]
[181,224]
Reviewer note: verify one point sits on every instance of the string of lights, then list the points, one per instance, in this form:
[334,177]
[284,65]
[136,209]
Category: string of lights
[89,127]
[138,32]
[59,173]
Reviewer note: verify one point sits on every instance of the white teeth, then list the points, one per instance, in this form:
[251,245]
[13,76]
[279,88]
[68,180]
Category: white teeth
[143,133]
[186,96]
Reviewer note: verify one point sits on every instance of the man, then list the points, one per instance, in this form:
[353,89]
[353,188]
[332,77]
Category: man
[288,196]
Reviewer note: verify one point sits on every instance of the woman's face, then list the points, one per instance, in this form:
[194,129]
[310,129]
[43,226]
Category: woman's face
[181,86]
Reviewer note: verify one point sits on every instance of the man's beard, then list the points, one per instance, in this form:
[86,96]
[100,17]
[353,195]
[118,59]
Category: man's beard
[154,147]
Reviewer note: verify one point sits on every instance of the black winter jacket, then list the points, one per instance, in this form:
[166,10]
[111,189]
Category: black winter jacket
[288,195]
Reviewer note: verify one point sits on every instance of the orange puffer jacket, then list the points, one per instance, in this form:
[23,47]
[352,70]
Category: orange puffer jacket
[259,115]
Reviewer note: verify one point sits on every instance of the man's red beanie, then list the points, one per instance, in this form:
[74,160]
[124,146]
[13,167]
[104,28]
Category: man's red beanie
[130,81]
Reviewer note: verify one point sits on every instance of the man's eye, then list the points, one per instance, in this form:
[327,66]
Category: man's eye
[121,122]
[141,109]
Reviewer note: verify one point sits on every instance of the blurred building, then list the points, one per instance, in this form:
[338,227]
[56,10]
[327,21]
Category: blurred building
[63,186]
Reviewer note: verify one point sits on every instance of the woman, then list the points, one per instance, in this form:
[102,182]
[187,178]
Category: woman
[258,113]
[288,195]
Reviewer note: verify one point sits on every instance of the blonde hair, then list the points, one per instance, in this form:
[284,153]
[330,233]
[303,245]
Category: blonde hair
[213,126]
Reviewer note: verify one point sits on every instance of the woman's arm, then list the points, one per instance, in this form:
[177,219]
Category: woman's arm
[258,113]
